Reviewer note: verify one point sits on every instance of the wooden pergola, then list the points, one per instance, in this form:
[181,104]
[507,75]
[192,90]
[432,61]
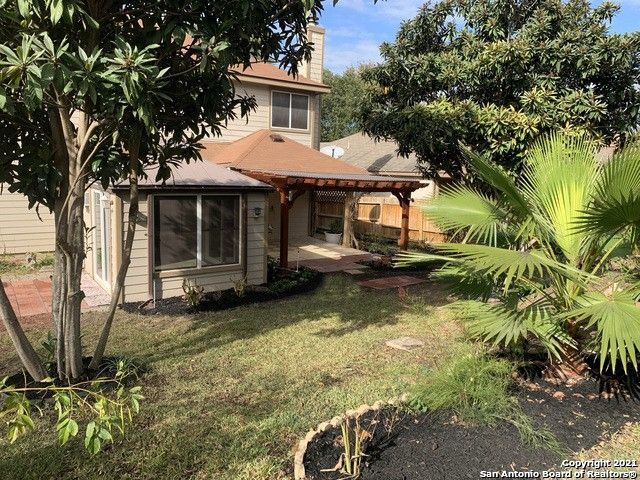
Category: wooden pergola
[291,185]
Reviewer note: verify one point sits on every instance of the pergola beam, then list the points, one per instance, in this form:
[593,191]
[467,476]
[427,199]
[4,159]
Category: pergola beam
[290,187]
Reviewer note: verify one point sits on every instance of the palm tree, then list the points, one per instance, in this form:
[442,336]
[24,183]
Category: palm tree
[532,263]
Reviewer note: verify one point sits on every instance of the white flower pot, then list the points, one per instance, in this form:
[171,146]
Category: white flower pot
[335,238]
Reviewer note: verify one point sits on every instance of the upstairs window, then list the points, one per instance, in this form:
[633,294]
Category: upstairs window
[289,110]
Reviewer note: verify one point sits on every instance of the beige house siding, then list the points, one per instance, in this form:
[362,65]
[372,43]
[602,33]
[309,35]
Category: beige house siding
[298,217]
[137,281]
[314,69]
[21,230]
[261,117]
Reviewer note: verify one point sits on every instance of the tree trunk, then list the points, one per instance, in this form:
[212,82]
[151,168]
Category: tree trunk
[28,356]
[75,260]
[67,277]
[126,254]
[350,216]
[68,208]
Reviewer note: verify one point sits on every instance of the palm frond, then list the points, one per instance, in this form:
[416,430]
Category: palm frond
[502,326]
[464,282]
[499,179]
[616,201]
[463,208]
[559,177]
[514,265]
[617,319]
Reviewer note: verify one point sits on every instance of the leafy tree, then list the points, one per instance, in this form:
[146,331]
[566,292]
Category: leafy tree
[540,248]
[95,91]
[497,74]
[341,108]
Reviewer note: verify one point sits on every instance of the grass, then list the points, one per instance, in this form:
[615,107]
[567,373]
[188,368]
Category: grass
[15,264]
[475,387]
[472,385]
[230,393]
[624,445]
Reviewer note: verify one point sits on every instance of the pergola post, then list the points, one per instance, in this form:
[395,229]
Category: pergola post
[285,205]
[284,227]
[404,197]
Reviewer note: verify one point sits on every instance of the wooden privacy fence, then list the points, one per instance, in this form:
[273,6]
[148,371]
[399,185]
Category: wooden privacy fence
[381,216]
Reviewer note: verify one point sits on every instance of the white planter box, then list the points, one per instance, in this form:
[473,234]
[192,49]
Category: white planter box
[335,238]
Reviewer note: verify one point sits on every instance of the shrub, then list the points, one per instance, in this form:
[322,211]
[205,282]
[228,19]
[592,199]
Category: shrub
[335,227]
[193,293]
[540,245]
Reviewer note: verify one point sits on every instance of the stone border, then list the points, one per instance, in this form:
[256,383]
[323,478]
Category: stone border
[299,472]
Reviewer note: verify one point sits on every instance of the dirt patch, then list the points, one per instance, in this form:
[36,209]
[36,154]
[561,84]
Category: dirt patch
[433,446]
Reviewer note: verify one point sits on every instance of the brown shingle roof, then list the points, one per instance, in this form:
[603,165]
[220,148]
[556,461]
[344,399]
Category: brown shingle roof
[198,175]
[268,151]
[375,156]
[271,73]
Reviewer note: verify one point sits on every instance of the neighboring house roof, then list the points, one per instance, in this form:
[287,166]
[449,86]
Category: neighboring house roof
[268,151]
[268,74]
[198,175]
[375,156]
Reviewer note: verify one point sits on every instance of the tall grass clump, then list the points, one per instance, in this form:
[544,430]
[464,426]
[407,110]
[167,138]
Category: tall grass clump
[476,388]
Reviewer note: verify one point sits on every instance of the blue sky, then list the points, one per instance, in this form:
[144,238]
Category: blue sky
[356,28]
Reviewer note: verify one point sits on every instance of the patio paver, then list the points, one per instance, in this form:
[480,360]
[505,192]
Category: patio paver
[397,281]
[32,297]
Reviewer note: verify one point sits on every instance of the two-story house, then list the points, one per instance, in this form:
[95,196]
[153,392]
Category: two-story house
[212,223]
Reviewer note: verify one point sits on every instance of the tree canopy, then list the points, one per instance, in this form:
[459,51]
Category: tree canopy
[95,91]
[341,108]
[496,74]
[161,64]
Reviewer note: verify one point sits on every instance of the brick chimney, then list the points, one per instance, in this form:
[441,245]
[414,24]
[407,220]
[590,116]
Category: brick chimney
[313,69]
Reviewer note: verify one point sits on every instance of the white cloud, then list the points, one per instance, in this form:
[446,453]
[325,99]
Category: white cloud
[339,56]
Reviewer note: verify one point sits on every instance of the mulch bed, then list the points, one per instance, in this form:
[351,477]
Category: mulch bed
[294,282]
[408,446]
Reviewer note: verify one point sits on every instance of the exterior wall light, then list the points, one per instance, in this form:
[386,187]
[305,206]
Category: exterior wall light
[257,211]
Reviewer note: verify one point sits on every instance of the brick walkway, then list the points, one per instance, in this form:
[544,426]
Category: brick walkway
[33,296]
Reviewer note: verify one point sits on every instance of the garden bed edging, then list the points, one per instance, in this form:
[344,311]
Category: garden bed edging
[299,472]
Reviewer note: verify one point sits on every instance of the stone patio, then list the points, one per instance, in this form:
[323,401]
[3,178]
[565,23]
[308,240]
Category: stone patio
[32,296]
[322,256]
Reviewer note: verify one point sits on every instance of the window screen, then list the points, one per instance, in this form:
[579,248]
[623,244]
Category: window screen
[280,106]
[289,110]
[299,111]
[175,232]
[220,230]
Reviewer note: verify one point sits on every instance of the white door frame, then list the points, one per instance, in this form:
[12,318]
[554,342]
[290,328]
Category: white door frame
[100,214]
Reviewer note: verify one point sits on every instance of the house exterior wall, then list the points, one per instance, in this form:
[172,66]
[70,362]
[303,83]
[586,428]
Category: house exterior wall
[261,117]
[169,284]
[298,217]
[21,231]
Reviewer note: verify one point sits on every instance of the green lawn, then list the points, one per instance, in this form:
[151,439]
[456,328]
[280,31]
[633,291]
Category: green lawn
[14,265]
[229,393]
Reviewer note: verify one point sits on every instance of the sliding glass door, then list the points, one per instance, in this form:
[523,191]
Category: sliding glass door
[101,236]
